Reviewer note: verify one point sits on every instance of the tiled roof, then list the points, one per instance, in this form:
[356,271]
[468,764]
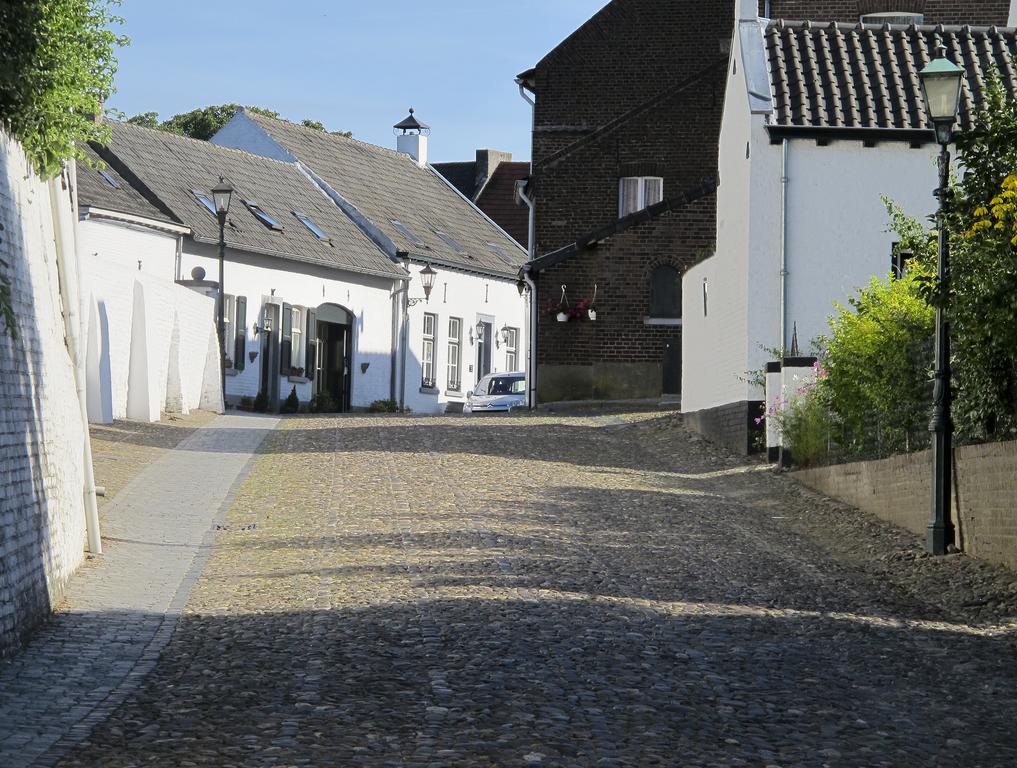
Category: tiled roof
[462,175]
[498,200]
[840,76]
[170,166]
[387,186]
[95,190]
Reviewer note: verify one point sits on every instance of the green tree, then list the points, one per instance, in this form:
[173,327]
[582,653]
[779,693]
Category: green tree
[56,69]
[205,122]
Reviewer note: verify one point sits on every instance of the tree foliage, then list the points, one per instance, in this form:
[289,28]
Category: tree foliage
[56,69]
[205,122]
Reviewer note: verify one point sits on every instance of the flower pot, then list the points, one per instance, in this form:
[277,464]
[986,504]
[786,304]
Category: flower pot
[592,313]
[562,317]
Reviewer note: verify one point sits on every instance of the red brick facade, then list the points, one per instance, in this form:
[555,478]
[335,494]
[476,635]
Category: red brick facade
[638,91]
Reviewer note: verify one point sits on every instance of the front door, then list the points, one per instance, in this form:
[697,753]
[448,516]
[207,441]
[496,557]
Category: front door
[332,363]
[270,354]
[484,350]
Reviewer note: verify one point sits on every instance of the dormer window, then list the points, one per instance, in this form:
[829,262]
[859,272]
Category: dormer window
[903,18]
[638,192]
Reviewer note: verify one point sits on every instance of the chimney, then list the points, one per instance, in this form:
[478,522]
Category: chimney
[411,138]
[488,161]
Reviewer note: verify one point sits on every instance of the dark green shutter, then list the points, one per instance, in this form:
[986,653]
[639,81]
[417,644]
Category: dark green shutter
[240,323]
[287,340]
[312,346]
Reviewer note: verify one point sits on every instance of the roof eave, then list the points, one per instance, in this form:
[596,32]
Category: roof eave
[911,136]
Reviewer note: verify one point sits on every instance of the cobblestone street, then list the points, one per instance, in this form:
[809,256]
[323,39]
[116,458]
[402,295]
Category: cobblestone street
[561,591]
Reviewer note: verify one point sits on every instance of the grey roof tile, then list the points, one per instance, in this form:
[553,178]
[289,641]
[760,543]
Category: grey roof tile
[95,190]
[386,186]
[170,166]
[845,76]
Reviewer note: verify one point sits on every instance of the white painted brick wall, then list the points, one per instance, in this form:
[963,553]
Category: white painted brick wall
[42,523]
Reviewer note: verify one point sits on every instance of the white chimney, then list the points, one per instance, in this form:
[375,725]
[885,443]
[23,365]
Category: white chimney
[411,138]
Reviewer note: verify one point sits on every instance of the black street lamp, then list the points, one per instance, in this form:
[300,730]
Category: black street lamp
[941,84]
[427,276]
[222,193]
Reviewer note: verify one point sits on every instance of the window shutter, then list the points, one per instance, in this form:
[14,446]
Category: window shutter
[287,340]
[310,360]
[240,323]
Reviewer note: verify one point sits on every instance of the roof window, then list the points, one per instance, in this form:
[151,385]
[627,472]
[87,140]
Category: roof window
[497,250]
[109,179]
[315,229]
[263,217]
[405,231]
[449,241]
[893,17]
[202,198]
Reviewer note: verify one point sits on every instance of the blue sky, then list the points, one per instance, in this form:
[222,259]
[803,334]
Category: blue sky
[354,66]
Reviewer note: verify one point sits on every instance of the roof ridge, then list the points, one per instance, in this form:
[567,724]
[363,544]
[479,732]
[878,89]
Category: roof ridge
[326,134]
[199,142]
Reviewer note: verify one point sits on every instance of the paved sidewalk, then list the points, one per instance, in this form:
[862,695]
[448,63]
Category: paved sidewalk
[121,610]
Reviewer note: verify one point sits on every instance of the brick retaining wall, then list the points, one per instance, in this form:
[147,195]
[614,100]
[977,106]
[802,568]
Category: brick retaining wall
[898,490]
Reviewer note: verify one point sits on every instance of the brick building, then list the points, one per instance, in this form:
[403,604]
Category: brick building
[626,125]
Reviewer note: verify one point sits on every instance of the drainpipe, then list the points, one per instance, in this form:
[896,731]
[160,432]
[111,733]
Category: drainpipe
[531,346]
[404,337]
[766,9]
[783,244]
[66,257]
[179,259]
[395,342]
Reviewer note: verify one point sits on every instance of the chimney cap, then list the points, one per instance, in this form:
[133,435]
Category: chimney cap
[412,124]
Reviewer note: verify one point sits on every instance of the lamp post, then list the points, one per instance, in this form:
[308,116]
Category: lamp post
[222,193]
[941,85]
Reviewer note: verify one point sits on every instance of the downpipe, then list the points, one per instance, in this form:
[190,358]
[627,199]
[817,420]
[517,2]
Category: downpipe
[783,244]
[531,346]
[66,257]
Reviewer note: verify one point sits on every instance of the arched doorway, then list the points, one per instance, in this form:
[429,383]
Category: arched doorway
[333,354]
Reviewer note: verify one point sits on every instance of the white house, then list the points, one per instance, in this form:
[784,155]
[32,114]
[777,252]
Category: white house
[820,123]
[317,300]
[475,320]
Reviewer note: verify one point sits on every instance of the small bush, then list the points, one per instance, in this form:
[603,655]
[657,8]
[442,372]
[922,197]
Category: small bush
[384,406]
[246,403]
[323,402]
[806,424]
[292,402]
[261,402]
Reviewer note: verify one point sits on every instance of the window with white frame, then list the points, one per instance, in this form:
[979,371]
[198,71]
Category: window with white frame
[427,352]
[298,348]
[455,353]
[511,349]
[638,192]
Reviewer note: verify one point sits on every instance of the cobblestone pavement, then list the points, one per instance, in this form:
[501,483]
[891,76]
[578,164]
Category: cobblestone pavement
[561,591]
[120,610]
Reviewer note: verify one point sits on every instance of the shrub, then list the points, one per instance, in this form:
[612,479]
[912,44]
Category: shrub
[261,402]
[384,406]
[292,402]
[56,70]
[323,402]
[246,403]
[807,427]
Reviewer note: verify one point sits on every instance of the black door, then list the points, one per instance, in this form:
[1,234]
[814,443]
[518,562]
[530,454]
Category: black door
[270,356]
[484,351]
[333,364]
[672,366]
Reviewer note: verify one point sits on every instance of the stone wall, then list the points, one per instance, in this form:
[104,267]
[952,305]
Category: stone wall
[42,519]
[732,426]
[898,490]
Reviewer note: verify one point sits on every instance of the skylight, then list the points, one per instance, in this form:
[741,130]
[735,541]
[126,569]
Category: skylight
[109,179]
[449,241]
[203,199]
[306,221]
[406,232]
[263,217]
[496,249]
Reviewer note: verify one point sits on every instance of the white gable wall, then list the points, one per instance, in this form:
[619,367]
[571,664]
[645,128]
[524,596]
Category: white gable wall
[127,245]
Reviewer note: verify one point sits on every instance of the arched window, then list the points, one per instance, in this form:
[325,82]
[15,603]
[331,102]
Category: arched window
[665,292]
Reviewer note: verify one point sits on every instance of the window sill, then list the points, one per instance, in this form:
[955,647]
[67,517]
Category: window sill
[429,390]
[298,379]
[673,321]
[232,372]
[454,393]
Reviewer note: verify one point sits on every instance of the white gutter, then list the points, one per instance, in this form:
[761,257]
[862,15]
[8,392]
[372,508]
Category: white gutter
[783,244]
[60,189]
[90,212]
